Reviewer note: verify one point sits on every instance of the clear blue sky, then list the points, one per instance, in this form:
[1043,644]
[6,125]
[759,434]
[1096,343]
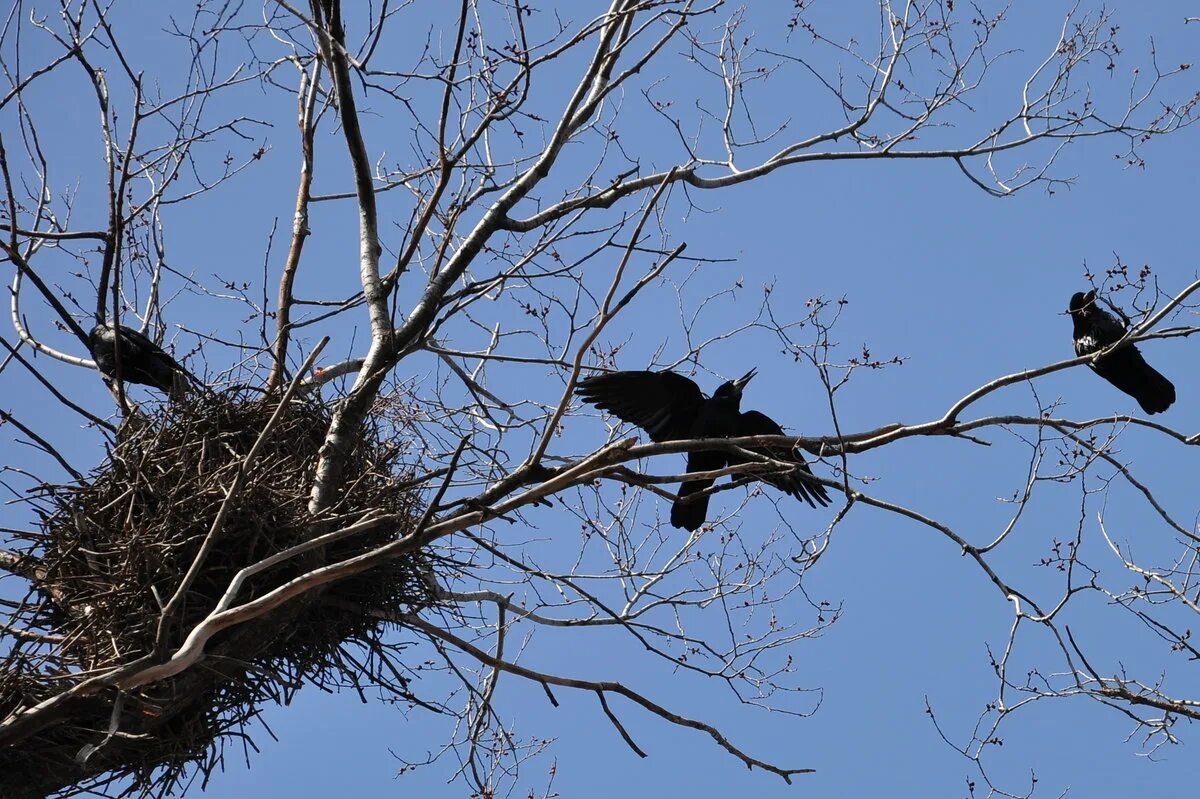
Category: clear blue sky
[965,286]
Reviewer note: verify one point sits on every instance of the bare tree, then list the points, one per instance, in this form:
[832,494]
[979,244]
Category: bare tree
[511,166]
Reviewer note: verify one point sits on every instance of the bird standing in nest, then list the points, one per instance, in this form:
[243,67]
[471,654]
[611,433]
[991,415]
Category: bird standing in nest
[670,407]
[142,361]
[1124,367]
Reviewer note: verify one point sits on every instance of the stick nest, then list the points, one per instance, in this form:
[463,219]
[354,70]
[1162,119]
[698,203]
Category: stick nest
[112,552]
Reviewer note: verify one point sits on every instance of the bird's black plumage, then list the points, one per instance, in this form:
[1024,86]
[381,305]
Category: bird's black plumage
[670,407]
[142,361]
[1124,367]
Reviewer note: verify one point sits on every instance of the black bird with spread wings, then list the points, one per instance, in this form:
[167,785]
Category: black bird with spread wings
[1124,367]
[670,407]
[142,361]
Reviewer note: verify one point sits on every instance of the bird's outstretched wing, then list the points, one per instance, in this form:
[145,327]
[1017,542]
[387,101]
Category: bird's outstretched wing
[794,482]
[663,404]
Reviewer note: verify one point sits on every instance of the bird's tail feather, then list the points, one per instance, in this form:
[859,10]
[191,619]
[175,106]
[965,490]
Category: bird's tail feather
[178,389]
[689,512]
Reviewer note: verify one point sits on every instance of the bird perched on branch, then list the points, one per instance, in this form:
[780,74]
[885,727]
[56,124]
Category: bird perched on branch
[142,361]
[670,407]
[1124,367]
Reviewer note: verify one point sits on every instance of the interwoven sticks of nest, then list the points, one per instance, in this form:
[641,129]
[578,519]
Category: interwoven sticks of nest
[112,551]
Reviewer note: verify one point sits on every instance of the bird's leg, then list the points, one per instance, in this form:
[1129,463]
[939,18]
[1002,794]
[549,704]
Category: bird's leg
[117,389]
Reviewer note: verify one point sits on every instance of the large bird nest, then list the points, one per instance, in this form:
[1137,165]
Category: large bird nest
[111,553]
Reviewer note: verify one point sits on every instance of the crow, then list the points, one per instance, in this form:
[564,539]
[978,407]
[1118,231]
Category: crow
[1124,367]
[142,361]
[670,407]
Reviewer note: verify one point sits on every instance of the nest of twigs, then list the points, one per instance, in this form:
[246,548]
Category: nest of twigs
[112,552]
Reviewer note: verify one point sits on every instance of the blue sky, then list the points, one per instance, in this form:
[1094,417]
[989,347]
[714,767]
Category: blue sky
[964,286]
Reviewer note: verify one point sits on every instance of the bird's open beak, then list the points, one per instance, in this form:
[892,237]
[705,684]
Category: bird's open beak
[741,382]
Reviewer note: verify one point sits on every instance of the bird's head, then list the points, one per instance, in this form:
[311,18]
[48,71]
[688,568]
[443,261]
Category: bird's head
[732,389]
[100,332]
[1082,303]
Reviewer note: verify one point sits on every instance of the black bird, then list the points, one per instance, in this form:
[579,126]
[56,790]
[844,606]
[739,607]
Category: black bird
[671,407]
[1124,367]
[142,361]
